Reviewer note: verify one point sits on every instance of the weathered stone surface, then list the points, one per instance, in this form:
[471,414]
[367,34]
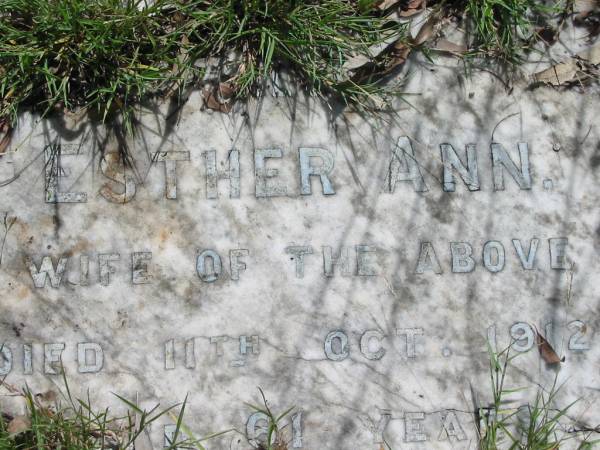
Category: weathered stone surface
[365,301]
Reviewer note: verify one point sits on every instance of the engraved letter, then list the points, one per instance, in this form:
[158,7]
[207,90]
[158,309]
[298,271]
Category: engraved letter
[493,256]
[299,252]
[212,174]
[47,270]
[575,342]
[90,357]
[253,430]
[307,169]
[253,345]
[364,262]
[218,341]
[520,332]
[365,342]
[451,427]
[170,354]
[428,260]
[190,354]
[451,160]
[262,174]
[528,262]
[413,427]
[139,268]
[297,430]
[411,334]
[501,160]
[5,360]
[461,257]
[27,359]
[404,167]
[108,165]
[53,358]
[105,267]
[84,270]
[384,420]
[169,433]
[235,264]
[342,352]
[53,156]
[170,159]
[205,273]
[343,261]
[558,253]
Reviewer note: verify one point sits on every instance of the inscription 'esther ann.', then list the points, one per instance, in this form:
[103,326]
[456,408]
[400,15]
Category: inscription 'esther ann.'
[313,162]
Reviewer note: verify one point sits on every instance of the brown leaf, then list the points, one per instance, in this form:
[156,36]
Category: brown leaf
[583,8]
[427,30]
[385,4]
[567,71]
[444,45]
[6,135]
[400,54]
[547,353]
[558,74]
[412,7]
[49,396]
[18,425]
[221,98]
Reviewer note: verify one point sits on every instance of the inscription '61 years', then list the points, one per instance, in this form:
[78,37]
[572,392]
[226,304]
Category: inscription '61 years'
[313,162]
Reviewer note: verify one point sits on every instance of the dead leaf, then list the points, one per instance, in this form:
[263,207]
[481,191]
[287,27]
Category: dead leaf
[567,71]
[591,55]
[547,353]
[558,74]
[6,133]
[583,8]
[412,7]
[400,54]
[444,45]
[47,397]
[427,30]
[18,425]
[385,4]
[221,98]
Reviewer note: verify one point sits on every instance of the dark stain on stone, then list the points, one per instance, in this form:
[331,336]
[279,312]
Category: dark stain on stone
[17,328]
[595,159]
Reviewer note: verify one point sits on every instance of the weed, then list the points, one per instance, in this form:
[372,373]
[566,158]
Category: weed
[504,31]
[71,424]
[107,56]
[533,427]
[275,439]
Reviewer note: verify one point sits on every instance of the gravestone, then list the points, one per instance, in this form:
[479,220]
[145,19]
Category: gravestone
[357,268]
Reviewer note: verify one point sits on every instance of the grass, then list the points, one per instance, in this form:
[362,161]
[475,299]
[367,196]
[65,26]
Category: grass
[107,56]
[73,424]
[101,55]
[65,423]
[503,426]
[504,30]
[275,439]
[501,34]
